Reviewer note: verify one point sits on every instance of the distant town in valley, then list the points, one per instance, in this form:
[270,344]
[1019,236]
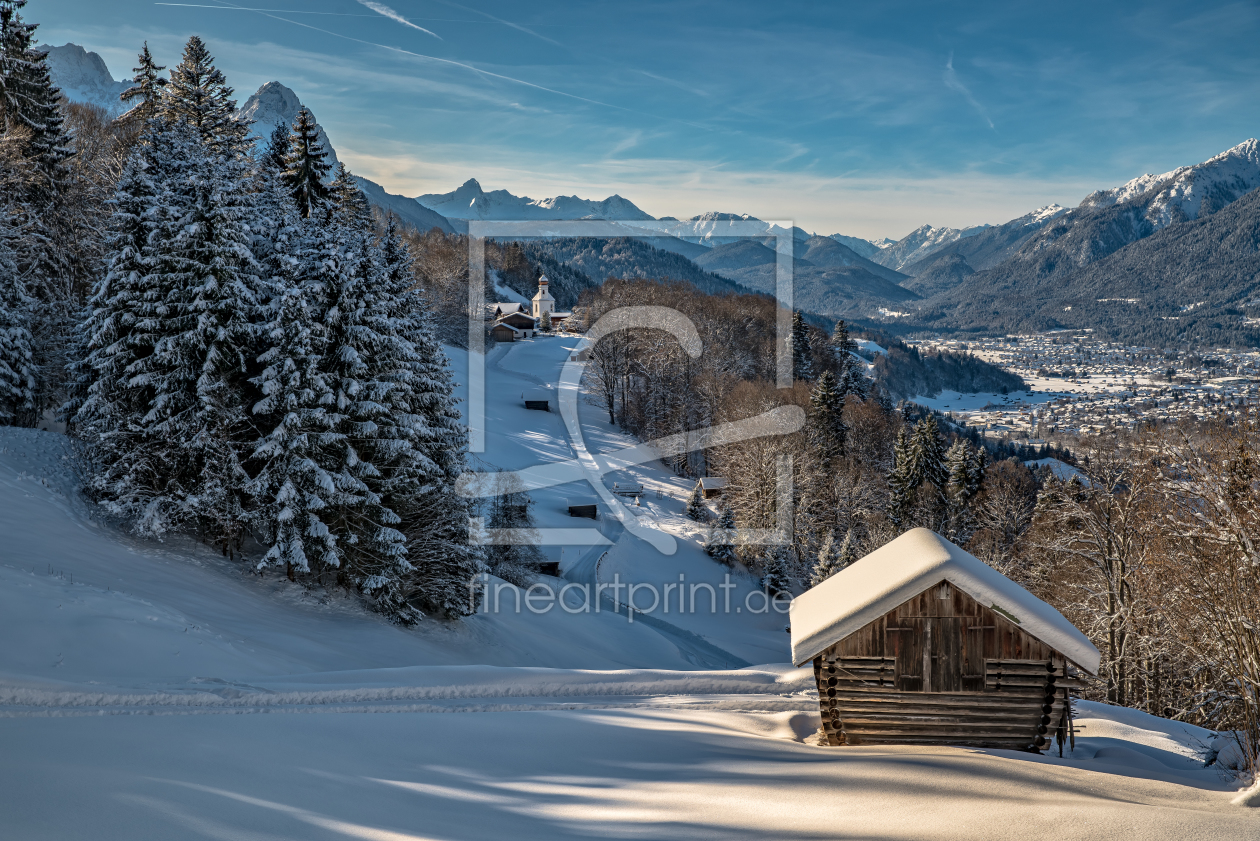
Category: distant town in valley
[1083,386]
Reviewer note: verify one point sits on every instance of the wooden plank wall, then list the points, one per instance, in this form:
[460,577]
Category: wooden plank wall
[943,669]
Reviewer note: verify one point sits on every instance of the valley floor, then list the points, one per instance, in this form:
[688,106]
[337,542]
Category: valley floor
[159,691]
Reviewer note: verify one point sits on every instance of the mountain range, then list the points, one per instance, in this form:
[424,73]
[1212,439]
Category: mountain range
[470,201]
[1145,238]
[1160,259]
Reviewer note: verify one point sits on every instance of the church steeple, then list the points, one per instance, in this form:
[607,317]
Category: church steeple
[542,301]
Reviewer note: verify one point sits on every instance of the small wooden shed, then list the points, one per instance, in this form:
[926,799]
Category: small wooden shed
[503,333]
[921,642]
[711,486]
[584,506]
[537,398]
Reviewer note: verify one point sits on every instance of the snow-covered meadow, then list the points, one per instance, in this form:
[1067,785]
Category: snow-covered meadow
[162,691]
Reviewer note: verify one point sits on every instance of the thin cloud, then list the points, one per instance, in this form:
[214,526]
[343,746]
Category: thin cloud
[382,9]
[509,23]
[446,61]
[952,82]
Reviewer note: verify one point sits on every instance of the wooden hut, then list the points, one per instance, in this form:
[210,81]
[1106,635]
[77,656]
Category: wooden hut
[711,486]
[584,506]
[504,333]
[920,642]
[537,398]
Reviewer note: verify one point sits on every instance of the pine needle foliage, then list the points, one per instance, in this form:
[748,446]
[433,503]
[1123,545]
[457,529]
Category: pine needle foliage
[147,89]
[198,96]
[306,167]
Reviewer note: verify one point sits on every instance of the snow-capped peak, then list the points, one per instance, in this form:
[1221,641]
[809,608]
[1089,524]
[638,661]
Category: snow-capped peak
[1042,215]
[1187,191]
[719,216]
[274,104]
[83,77]
[921,242]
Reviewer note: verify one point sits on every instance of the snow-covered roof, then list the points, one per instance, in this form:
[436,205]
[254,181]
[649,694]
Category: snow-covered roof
[504,307]
[900,570]
[712,483]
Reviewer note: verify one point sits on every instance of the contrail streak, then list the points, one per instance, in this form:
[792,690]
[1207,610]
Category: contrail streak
[952,82]
[327,14]
[382,9]
[284,11]
[437,60]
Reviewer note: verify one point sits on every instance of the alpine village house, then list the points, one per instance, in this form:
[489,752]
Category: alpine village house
[920,642]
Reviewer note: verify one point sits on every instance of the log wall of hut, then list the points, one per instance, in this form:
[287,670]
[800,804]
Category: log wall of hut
[944,669]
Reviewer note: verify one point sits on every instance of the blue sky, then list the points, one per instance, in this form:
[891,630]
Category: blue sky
[867,119]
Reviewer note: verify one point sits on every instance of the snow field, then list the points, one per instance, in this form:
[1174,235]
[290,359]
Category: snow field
[653,774]
[158,691]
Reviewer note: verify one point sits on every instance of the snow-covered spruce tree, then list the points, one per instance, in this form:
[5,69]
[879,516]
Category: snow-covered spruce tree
[963,483]
[29,101]
[352,206]
[122,316]
[306,168]
[927,453]
[145,95]
[403,531]
[841,344]
[272,158]
[827,427]
[34,197]
[198,95]
[171,427]
[696,508]
[720,545]
[848,550]
[902,481]
[802,354]
[853,381]
[435,517]
[828,562]
[17,366]
[292,490]
[774,578]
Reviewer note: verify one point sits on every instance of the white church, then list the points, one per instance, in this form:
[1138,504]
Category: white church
[513,322]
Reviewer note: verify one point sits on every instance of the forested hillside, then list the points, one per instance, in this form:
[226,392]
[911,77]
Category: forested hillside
[908,372]
[242,352]
[626,257]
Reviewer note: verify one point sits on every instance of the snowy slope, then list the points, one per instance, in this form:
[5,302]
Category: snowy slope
[160,691]
[1183,192]
[575,772]
[83,77]
[274,104]
[470,201]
